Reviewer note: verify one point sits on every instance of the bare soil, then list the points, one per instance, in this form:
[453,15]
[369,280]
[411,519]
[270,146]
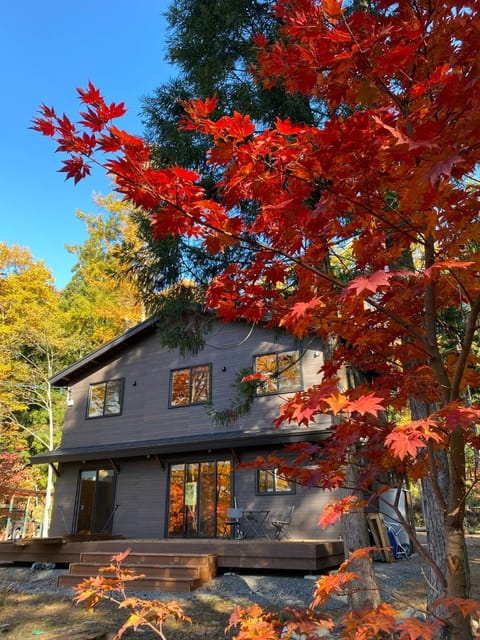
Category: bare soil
[30,615]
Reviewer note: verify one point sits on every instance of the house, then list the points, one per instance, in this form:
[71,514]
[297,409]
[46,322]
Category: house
[140,457]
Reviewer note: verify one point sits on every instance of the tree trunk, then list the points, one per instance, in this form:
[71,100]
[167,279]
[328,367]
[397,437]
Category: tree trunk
[458,575]
[363,592]
[443,510]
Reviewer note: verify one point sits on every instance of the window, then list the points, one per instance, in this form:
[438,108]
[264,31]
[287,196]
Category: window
[190,386]
[105,399]
[271,481]
[283,371]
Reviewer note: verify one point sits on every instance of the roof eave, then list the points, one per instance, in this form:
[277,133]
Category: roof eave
[178,445]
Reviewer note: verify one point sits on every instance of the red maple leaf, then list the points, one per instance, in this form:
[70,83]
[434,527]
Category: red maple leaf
[337,509]
[416,629]
[405,440]
[75,168]
[90,95]
[370,283]
[366,404]
[401,139]
[443,167]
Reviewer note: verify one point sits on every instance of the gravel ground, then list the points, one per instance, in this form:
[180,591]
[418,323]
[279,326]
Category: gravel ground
[279,590]
[31,601]
[225,591]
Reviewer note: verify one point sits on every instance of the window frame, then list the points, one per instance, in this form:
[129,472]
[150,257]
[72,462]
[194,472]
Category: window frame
[277,376]
[273,472]
[120,401]
[190,368]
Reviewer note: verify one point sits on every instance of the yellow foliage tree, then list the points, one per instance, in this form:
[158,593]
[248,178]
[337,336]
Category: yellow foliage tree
[101,301]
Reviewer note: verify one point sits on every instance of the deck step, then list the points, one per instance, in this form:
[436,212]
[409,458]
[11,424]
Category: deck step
[174,572]
[156,570]
[184,559]
[172,585]
[205,562]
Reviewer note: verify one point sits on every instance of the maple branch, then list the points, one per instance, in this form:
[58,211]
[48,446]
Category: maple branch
[257,244]
[375,214]
[377,80]
[241,238]
[431,341]
[470,330]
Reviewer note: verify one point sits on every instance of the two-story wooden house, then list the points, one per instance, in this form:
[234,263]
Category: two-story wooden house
[139,456]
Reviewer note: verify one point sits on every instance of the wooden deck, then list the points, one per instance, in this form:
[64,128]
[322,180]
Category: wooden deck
[308,556]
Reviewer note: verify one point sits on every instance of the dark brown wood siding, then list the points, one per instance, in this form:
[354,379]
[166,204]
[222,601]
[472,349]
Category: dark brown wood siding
[141,484]
[146,370]
[141,499]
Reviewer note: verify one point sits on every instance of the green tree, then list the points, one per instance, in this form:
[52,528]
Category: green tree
[33,346]
[210,43]
[98,304]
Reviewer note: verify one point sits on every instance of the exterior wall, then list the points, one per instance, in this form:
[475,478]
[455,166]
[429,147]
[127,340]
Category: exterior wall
[309,503]
[64,500]
[141,493]
[142,499]
[146,370]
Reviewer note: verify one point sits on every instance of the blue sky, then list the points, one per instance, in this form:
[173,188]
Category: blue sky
[49,48]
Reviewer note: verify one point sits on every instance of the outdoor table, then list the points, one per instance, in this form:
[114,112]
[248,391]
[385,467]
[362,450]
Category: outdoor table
[254,520]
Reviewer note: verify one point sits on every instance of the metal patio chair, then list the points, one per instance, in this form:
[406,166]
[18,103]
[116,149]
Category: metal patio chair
[231,526]
[281,526]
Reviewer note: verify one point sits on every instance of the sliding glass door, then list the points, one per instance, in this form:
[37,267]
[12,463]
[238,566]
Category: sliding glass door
[199,496]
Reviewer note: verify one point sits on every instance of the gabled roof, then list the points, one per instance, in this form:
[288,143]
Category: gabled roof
[104,354]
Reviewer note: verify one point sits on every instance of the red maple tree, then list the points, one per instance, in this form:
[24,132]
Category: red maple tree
[366,228]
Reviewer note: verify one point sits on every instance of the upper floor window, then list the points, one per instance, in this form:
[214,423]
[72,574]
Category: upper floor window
[271,481]
[283,372]
[105,399]
[190,386]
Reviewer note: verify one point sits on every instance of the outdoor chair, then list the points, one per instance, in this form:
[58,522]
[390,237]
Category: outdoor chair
[281,526]
[400,549]
[231,526]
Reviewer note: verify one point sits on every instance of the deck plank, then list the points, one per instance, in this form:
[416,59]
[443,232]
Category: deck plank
[291,555]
